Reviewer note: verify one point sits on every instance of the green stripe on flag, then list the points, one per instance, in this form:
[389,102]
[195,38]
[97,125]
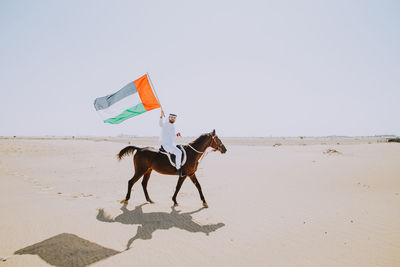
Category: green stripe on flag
[126,114]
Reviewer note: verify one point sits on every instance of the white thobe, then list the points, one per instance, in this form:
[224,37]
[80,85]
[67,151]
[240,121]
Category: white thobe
[167,139]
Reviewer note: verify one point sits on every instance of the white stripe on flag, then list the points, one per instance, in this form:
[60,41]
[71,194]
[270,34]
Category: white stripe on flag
[117,108]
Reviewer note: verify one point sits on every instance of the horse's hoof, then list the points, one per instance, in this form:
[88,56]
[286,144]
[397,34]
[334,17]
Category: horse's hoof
[205,205]
[175,205]
[124,201]
[150,201]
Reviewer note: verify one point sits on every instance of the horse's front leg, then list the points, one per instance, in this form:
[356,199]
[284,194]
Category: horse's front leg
[197,184]
[178,187]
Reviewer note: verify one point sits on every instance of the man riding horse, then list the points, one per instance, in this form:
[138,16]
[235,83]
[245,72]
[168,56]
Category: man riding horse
[167,140]
[147,159]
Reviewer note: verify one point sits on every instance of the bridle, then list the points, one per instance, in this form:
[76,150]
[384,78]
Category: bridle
[205,152]
[219,147]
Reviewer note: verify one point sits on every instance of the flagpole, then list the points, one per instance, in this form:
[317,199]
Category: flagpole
[154,91]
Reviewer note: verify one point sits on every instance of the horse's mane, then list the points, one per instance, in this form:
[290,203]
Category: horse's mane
[199,139]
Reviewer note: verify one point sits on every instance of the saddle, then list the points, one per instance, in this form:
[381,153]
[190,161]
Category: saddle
[172,157]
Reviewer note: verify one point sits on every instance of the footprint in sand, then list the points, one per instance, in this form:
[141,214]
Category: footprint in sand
[363,185]
[81,195]
[332,151]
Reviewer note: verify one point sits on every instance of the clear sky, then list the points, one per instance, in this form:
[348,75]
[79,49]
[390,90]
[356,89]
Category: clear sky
[245,68]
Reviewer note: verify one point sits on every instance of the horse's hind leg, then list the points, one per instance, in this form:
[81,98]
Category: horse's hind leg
[145,180]
[178,187]
[197,184]
[131,182]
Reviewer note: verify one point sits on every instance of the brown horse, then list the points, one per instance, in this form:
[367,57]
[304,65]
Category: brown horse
[147,159]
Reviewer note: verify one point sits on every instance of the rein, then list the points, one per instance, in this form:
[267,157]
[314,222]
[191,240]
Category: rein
[210,145]
[195,149]
[205,153]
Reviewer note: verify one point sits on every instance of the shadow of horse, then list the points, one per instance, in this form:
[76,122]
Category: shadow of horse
[152,221]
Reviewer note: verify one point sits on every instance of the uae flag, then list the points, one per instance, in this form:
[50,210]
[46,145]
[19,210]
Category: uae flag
[135,98]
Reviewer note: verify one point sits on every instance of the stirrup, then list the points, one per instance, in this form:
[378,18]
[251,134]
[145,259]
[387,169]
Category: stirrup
[181,173]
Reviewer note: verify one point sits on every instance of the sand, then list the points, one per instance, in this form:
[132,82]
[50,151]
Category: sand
[272,202]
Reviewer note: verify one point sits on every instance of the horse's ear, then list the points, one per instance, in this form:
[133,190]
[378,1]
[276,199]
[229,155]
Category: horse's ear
[213,132]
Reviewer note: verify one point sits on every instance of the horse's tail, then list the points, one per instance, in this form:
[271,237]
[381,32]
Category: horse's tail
[129,150]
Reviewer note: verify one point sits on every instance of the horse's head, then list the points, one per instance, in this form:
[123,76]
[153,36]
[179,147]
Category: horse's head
[216,143]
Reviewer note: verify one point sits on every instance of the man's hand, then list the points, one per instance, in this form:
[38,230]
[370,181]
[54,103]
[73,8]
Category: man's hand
[162,113]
